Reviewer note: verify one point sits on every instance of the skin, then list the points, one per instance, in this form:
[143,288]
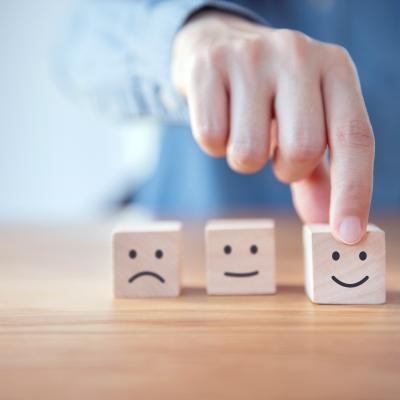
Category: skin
[256,93]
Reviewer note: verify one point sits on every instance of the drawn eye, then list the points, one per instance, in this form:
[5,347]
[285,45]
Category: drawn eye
[362,256]
[335,255]
[159,253]
[227,249]
[132,254]
[253,249]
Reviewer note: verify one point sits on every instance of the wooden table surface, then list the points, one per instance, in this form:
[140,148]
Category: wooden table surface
[63,336]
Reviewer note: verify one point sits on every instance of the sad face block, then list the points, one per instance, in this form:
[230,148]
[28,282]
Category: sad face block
[240,256]
[147,260]
[336,273]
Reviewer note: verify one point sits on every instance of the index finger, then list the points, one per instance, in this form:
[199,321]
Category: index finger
[352,146]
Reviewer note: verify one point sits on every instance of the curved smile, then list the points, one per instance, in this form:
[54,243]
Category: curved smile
[350,285]
[241,274]
[146,273]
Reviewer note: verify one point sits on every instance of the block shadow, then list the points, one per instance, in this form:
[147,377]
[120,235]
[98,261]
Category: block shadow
[290,289]
[194,291]
[393,297]
[199,291]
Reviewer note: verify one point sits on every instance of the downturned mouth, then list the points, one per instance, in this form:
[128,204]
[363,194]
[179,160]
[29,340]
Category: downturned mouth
[241,274]
[350,285]
[146,273]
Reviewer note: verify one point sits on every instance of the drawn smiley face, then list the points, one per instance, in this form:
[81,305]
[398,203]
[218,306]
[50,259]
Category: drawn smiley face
[337,273]
[240,257]
[147,261]
[363,257]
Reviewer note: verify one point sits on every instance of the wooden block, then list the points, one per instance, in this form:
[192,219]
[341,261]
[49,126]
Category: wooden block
[146,260]
[240,256]
[336,273]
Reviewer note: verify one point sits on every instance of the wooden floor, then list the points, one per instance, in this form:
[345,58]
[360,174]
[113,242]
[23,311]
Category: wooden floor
[63,336]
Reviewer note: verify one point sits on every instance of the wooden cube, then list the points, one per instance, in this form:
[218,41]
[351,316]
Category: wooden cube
[336,273]
[240,256]
[146,260]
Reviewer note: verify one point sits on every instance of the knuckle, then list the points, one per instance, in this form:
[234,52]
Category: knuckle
[355,134]
[304,155]
[196,65]
[296,44]
[217,54]
[206,59]
[246,157]
[282,175]
[199,60]
[340,53]
[255,46]
[250,50]
[303,152]
[340,60]
[212,140]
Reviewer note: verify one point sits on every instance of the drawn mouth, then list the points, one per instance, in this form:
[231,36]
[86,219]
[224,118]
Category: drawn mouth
[241,274]
[146,273]
[350,285]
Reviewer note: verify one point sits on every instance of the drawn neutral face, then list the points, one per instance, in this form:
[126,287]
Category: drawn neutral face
[146,263]
[240,257]
[348,274]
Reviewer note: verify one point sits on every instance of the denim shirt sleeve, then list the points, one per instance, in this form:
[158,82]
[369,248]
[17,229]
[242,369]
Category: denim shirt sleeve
[115,55]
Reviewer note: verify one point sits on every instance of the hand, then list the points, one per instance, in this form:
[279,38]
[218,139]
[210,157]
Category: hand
[255,92]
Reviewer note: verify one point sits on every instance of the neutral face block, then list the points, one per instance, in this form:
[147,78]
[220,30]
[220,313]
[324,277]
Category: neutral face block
[147,260]
[336,273]
[240,257]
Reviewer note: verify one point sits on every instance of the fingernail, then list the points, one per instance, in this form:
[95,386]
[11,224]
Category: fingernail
[350,231]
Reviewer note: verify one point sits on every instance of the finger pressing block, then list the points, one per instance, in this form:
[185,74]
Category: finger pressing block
[147,260]
[336,273]
[240,256]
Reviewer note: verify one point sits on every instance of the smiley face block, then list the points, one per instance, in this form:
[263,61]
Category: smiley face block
[240,257]
[147,260]
[336,273]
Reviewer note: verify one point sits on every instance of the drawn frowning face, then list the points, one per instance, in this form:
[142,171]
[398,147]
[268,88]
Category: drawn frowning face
[146,264]
[158,255]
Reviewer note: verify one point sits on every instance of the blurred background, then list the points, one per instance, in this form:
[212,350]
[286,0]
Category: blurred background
[58,161]
[61,161]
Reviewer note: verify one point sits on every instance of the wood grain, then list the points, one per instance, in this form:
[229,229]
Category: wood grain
[63,336]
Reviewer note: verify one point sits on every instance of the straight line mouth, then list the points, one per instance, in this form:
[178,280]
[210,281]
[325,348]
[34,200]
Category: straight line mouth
[241,274]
